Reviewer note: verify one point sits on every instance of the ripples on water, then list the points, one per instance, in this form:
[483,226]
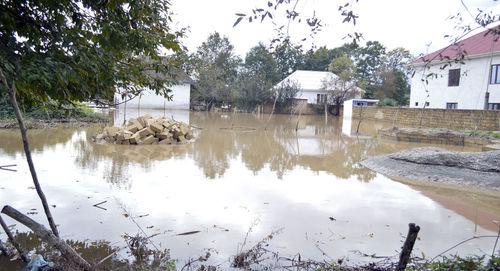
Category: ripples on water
[281,177]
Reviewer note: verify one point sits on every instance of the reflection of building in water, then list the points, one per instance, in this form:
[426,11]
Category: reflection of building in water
[122,115]
[308,141]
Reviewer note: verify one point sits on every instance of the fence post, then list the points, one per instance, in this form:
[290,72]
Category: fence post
[404,257]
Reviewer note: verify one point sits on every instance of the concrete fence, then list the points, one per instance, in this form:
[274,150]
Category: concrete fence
[434,118]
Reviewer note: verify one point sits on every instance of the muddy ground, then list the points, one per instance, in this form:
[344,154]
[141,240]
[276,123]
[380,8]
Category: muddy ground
[436,165]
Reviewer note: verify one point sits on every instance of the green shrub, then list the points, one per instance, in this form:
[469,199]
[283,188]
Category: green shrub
[473,263]
[51,111]
[388,102]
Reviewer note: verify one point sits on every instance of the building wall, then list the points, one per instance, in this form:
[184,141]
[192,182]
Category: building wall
[180,99]
[433,118]
[297,107]
[470,94]
[311,96]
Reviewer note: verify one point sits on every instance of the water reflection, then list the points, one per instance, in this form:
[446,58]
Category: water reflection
[282,144]
[294,174]
[40,139]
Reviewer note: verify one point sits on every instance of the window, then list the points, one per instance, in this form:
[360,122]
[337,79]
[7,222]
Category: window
[453,77]
[494,106]
[321,98]
[416,103]
[451,105]
[495,74]
[427,104]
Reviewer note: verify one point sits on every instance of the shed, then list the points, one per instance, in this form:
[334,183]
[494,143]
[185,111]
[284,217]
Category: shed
[181,95]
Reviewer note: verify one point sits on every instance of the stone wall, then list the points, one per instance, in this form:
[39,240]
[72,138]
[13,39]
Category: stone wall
[432,118]
[296,107]
[434,136]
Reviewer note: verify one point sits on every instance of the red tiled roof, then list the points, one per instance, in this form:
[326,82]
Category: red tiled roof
[481,43]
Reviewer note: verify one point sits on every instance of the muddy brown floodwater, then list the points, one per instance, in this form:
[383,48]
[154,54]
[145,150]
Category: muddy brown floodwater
[306,182]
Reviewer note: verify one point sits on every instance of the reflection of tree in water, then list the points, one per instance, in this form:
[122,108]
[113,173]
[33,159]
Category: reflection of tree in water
[39,139]
[316,145]
[278,146]
[213,147]
[92,251]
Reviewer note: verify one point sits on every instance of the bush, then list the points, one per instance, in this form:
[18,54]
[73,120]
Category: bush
[50,111]
[388,102]
[474,263]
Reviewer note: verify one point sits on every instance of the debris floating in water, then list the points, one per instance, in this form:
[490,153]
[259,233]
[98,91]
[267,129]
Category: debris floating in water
[189,232]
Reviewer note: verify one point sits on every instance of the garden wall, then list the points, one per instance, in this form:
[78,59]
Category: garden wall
[296,107]
[434,118]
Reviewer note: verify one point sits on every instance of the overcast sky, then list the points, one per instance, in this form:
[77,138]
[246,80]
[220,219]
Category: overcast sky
[412,24]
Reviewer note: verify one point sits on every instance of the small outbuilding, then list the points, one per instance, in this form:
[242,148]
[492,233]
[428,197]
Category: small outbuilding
[349,104]
[148,99]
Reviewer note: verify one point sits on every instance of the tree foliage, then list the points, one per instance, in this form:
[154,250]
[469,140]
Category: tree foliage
[216,69]
[284,93]
[289,58]
[74,51]
[341,85]
[260,61]
[256,78]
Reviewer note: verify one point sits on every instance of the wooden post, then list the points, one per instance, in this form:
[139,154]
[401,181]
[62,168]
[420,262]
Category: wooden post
[404,257]
[47,236]
[13,241]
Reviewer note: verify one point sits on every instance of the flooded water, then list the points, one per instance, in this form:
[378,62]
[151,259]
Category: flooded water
[244,174]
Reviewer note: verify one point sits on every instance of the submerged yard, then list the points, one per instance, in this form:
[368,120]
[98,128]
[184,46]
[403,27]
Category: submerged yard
[242,179]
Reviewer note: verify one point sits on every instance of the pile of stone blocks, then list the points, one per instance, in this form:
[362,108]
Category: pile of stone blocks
[147,130]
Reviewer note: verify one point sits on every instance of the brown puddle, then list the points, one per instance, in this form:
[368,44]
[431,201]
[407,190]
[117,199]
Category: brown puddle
[238,174]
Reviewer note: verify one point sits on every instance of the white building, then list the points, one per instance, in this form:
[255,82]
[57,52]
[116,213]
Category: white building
[310,84]
[148,99]
[472,85]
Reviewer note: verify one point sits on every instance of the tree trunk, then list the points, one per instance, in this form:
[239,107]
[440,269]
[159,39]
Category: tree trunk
[47,236]
[404,257]
[337,108]
[272,112]
[22,127]
[360,119]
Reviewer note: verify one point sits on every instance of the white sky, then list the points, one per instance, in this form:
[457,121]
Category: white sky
[396,23]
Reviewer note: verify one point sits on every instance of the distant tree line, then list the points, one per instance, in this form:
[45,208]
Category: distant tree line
[223,78]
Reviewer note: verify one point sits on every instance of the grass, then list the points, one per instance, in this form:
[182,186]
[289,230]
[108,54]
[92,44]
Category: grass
[42,116]
[488,134]
[455,263]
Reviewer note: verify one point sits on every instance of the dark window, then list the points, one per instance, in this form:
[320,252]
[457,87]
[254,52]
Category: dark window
[451,105]
[426,103]
[416,103]
[494,106]
[453,77]
[321,98]
[495,74]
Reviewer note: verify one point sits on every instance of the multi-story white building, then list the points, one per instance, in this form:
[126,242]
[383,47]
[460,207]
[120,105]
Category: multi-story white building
[473,84]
